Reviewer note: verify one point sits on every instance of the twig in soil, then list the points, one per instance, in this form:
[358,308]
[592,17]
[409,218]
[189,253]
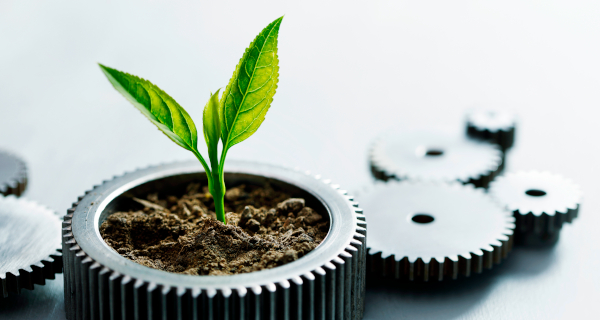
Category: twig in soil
[151,205]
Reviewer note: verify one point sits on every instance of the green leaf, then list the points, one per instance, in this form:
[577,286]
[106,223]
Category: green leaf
[157,106]
[250,91]
[212,123]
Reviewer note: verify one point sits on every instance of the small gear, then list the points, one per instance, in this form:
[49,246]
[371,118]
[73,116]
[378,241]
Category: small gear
[541,203]
[426,231]
[495,126]
[435,156]
[13,174]
[30,237]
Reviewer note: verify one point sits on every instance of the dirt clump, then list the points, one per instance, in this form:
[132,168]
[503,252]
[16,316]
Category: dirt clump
[266,228]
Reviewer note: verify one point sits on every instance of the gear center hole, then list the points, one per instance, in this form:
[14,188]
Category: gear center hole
[535,192]
[434,152]
[422,218]
[429,152]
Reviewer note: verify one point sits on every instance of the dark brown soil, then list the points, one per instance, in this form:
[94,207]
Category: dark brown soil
[266,228]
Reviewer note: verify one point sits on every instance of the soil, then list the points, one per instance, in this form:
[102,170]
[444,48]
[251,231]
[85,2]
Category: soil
[265,229]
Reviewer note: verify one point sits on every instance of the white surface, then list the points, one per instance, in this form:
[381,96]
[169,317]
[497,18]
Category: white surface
[348,70]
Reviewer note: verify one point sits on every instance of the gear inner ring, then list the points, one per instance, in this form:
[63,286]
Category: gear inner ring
[111,196]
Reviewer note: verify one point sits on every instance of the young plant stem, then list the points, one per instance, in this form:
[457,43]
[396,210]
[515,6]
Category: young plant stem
[218,187]
[218,194]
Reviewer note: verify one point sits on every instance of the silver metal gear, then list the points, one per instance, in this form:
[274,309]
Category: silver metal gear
[13,174]
[327,283]
[541,203]
[492,125]
[423,231]
[434,156]
[29,245]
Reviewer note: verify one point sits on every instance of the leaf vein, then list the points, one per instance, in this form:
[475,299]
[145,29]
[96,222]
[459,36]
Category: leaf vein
[229,139]
[261,110]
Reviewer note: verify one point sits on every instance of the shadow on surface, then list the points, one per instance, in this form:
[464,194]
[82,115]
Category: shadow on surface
[450,299]
[44,302]
[528,261]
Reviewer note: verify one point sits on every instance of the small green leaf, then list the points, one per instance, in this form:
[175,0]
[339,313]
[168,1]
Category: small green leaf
[250,91]
[212,123]
[157,106]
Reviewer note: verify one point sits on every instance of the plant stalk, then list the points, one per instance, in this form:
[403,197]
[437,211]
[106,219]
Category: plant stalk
[218,185]
[218,194]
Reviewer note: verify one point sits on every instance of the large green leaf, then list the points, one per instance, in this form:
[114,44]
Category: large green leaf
[157,106]
[250,91]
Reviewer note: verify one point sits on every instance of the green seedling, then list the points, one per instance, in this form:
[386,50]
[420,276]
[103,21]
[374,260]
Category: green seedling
[232,119]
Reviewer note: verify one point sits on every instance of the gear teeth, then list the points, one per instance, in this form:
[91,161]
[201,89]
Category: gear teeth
[385,169]
[541,221]
[496,127]
[16,182]
[439,268]
[14,281]
[25,276]
[505,139]
[333,291]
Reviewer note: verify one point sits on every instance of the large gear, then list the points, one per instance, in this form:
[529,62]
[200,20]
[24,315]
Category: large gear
[327,283]
[13,174]
[423,231]
[435,156]
[495,126]
[29,243]
[541,203]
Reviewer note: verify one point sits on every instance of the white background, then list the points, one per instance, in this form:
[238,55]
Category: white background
[347,71]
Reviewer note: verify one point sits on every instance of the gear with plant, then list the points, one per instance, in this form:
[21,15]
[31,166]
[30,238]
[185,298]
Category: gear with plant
[30,242]
[329,284]
[541,202]
[434,156]
[428,231]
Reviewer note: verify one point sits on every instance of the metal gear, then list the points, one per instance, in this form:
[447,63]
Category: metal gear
[541,203]
[29,243]
[423,231]
[495,126]
[435,156]
[13,174]
[327,283]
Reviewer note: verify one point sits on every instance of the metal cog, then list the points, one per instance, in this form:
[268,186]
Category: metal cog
[541,203]
[29,245]
[435,156]
[100,284]
[13,174]
[495,126]
[424,231]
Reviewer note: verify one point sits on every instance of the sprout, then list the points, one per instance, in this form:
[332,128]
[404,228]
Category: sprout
[232,119]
